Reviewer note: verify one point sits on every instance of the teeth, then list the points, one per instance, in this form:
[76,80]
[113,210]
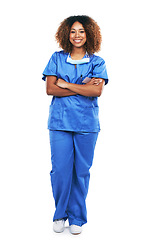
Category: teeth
[77,41]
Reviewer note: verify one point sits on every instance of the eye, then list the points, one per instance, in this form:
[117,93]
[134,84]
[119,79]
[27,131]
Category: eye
[72,31]
[82,31]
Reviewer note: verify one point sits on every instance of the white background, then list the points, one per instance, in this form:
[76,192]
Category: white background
[123,200]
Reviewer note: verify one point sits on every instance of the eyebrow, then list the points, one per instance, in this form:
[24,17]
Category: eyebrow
[78,29]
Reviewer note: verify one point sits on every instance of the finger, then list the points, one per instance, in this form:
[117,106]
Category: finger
[97,79]
[92,80]
[98,82]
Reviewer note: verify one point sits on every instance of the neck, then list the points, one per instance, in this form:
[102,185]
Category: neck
[78,52]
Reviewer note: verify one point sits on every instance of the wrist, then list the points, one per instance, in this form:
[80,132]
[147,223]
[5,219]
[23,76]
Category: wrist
[67,85]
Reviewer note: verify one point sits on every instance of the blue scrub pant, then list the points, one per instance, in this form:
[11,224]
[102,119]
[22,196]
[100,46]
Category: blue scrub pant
[72,156]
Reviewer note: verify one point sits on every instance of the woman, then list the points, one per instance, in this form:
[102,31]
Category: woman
[75,77]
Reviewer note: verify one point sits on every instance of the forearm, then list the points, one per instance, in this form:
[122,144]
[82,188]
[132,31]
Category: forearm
[85,90]
[59,92]
[93,88]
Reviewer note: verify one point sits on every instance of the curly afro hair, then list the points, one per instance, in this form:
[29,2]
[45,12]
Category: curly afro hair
[92,30]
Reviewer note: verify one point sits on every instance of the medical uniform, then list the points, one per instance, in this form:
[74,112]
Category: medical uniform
[73,124]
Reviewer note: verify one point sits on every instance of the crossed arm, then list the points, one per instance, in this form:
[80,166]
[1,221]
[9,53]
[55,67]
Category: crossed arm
[61,88]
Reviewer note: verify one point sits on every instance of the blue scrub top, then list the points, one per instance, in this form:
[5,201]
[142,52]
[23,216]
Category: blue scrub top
[74,113]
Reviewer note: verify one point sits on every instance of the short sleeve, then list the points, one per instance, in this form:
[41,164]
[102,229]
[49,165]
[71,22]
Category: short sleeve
[51,68]
[99,70]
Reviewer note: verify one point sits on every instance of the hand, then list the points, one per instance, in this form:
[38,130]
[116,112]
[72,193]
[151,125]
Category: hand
[95,81]
[61,83]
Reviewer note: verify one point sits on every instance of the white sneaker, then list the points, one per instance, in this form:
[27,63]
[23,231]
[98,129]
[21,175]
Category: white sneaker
[74,229]
[59,225]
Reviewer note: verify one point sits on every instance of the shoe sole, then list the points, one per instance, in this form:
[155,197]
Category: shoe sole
[76,233]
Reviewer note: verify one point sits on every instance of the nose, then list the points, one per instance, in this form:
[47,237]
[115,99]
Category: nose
[77,34]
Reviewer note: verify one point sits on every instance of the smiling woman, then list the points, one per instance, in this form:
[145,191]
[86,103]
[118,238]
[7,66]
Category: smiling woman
[91,28]
[73,119]
[77,35]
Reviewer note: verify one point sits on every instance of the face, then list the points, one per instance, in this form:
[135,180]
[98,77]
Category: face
[77,35]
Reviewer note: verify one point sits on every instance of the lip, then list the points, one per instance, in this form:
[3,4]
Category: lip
[77,40]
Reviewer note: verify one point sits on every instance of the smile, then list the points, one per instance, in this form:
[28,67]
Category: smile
[77,40]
